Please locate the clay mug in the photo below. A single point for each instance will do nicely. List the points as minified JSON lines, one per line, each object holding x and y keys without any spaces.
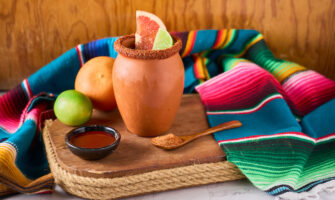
{"x":148,"y":86}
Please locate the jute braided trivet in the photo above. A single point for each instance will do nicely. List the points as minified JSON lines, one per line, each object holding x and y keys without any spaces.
{"x":155,"y":181}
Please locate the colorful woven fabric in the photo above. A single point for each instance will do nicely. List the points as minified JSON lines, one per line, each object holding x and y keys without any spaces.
{"x":277,"y":153}
{"x":284,"y":146}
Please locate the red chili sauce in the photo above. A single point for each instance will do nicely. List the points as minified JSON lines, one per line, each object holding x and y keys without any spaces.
{"x":93,"y":139}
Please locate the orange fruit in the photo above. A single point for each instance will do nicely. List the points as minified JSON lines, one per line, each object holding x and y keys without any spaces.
{"x":147,"y":25}
{"x":94,"y":79}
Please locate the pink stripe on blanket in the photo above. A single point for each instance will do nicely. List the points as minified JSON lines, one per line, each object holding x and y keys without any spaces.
{"x":308,"y":90}
{"x":242,"y":87}
{"x":14,"y":107}
{"x":11,"y":106}
{"x":80,"y":54}
{"x":284,"y":134}
{"x":27,"y":88}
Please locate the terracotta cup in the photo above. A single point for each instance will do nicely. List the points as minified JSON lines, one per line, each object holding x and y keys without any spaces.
{"x":148,"y":86}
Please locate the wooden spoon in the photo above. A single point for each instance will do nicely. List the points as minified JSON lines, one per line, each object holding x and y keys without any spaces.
{"x":171,"y":141}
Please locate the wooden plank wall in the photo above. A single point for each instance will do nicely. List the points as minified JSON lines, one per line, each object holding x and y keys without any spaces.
{"x":32,"y":33}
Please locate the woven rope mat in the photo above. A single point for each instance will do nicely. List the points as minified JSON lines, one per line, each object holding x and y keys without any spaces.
{"x":149,"y":182}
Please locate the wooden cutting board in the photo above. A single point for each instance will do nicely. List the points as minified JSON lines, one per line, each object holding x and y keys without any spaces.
{"x":136,"y":155}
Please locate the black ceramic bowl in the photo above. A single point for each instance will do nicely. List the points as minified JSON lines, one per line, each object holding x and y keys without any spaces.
{"x":92,"y":153}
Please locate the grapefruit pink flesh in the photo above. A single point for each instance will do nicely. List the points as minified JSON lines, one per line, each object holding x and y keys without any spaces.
{"x":147,"y":25}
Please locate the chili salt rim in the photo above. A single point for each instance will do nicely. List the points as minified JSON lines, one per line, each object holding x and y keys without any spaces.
{"x":145,"y":54}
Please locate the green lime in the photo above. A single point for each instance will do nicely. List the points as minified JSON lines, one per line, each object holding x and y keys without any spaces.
{"x":73,"y":108}
{"x":163,"y":40}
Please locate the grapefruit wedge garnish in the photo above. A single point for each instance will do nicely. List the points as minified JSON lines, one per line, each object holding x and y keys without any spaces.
{"x":147,"y":25}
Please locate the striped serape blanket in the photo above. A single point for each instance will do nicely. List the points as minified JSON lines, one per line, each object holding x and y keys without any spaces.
{"x":285,"y":147}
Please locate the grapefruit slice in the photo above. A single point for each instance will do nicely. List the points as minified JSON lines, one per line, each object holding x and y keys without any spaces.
{"x":147,"y":25}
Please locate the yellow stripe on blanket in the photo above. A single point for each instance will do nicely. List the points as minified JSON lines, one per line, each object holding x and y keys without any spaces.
{"x":288,"y":71}
{"x":3,"y":188}
{"x":256,"y":39}
{"x":8,"y":167}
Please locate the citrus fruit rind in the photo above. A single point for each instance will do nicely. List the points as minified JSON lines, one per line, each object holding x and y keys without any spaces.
{"x":147,"y":25}
{"x":73,"y":108}
{"x":94,"y":79}
{"x":163,"y":40}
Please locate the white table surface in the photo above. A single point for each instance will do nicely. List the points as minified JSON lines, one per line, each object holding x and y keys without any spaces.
{"x":231,"y":190}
